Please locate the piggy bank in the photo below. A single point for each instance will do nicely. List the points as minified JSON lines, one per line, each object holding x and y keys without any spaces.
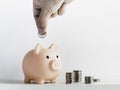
{"x":41,"y":65}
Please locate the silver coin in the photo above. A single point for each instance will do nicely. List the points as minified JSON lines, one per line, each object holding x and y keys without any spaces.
{"x":42,"y":36}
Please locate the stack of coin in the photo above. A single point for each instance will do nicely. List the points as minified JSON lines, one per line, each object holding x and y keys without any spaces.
{"x":96,"y":80}
{"x":89,"y":79}
{"x":68,"y":78}
{"x":77,"y":76}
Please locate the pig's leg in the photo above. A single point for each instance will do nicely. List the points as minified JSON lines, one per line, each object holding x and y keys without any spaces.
{"x":27,"y":80}
{"x":53,"y":81}
{"x":39,"y":81}
{"x":62,"y":9}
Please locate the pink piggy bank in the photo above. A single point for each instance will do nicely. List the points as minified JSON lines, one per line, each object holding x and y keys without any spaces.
{"x":41,"y":65}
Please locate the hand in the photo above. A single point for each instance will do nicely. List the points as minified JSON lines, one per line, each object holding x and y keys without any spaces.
{"x":46,"y":9}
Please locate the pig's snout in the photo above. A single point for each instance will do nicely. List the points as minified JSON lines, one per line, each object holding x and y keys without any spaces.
{"x":55,"y":65}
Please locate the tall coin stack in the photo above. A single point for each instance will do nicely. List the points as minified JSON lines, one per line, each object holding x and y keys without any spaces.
{"x":77,"y":76}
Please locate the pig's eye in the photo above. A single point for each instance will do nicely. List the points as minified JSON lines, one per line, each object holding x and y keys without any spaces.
{"x":57,"y":56}
{"x":47,"y":57}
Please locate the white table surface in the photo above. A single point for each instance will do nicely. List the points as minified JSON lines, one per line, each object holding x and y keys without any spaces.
{"x":19,"y":85}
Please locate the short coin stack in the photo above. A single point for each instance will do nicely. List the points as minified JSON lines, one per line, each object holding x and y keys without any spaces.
{"x":90,"y":80}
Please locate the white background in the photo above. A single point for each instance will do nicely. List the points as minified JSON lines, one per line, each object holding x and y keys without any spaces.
{"x":88,"y":35}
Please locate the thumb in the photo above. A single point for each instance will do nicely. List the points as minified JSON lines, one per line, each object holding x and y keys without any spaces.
{"x":42,"y":21}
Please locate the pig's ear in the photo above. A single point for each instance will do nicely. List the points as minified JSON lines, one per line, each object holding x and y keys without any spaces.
{"x":38,"y":48}
{"x":54,"y":47}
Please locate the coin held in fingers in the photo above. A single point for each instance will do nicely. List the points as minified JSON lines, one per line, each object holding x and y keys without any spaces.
{"x":42,"y":36}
